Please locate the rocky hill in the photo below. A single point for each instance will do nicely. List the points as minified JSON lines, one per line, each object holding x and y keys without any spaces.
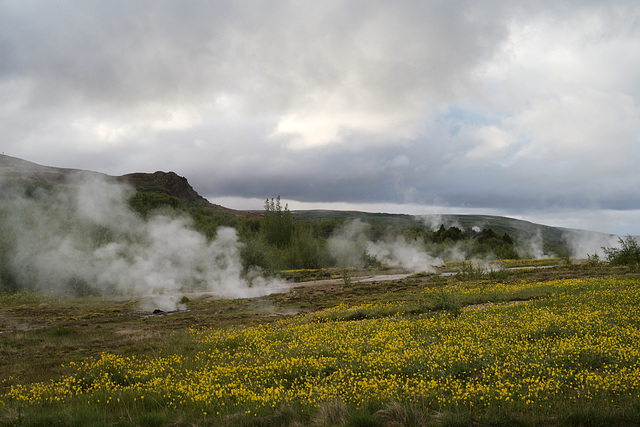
{"x":165,"y":182}
{"x":168,"y":183}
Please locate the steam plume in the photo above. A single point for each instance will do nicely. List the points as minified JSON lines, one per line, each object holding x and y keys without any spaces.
{"x":351,"y":247}
{"x":585,"y":243}
{"x":86,"y":239}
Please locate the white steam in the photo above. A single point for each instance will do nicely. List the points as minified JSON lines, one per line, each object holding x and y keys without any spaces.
{"x":351,"y":247}
{"x":348,"y":243}
{"x":533,"y":247}
{"x":585,"y":243}
{"x":88,"y":238}
{"x":408,"y":254}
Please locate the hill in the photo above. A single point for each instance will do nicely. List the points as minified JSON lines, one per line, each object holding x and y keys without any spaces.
{"x":165,"y":183}
{"x":511,"y":226}
{"x":13,"y":167}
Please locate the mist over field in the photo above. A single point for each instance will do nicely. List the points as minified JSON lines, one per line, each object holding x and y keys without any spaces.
{"x":353,"y":244}
{"x":584,"y":243}
{"x":84,"y":239}
{"x":350,"y":246}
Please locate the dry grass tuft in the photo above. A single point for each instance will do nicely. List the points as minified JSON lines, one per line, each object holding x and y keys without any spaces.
{"x":398,"y":415}
{"x":333,"y":413}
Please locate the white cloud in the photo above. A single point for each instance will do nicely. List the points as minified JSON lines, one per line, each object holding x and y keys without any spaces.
{"x":594,"y":127}
{"x":492,"y":142}
{"x":119,"y":130}
{"x":317,"y":129}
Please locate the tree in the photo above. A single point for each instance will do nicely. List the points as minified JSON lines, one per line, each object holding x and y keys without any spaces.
{"x":305,"y":250}
{"x":255,"y":253}
{"x":277,"y":225}
{"x":489,"y":242}
{"x":627,"y":254}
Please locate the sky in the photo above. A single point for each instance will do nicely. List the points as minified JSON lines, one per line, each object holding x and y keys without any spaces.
{"x":525,"y":109}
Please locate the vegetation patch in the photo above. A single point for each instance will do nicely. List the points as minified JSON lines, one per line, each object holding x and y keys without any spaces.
{"x":571,"y":350}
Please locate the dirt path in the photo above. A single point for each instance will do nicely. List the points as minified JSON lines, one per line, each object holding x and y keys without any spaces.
{"x":388,"y":277}
{"x":288,"y":286}
{"x":358,"y":279}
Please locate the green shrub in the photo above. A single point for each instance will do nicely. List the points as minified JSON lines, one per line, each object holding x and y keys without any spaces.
{"x":593,"y":260}
{"x":627,"y":254}
{"x":256,"y":253}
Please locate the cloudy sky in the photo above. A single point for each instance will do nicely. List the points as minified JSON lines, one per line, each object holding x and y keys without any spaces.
{"x":526,"y":109}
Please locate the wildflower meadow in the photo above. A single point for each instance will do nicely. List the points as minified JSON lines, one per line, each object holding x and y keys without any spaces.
{"x":527,"y":351}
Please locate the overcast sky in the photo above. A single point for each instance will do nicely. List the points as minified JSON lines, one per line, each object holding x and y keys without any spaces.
{"x":528,"y":109}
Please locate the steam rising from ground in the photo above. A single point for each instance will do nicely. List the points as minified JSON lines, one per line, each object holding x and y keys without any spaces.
{"x":585,"y":243}
{"x":533,"y":247}
{"x":351,"y":247}
{"x":88,"y":240}
{"x":409,"y":254}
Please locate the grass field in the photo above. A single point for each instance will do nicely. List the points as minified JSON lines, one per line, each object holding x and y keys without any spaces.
{"x":553,"y":346}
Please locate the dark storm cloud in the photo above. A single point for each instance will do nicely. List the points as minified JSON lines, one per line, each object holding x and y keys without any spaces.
{"x":516,"y":108}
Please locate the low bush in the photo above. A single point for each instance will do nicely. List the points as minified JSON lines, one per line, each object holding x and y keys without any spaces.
{"x":627,"y":254}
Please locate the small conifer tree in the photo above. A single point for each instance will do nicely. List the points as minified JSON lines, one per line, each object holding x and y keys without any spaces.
{"x":277,"y":225}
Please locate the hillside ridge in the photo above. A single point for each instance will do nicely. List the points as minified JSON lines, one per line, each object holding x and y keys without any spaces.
{"x":169,"y":183}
